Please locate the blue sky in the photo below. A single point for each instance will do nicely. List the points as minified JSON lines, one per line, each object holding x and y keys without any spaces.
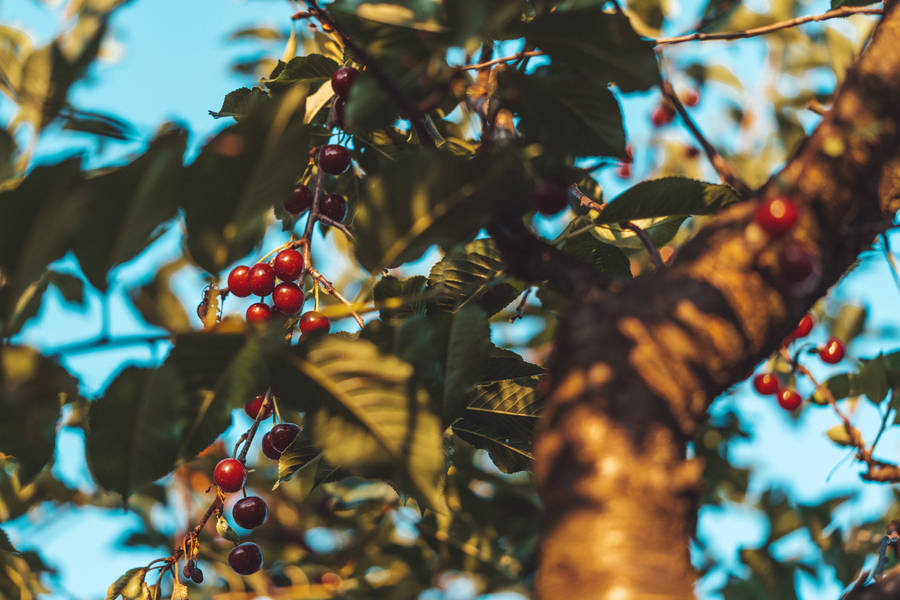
{"x":174,"y":65}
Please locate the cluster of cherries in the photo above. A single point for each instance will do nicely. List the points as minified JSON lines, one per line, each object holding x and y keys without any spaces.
{"x":664,"y":113}
{"x":230,"y":475}
{"x":778,"y":216}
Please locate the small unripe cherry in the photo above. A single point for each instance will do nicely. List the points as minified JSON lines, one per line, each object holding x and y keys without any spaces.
{"x":268,"y":449}
{"x":777,"y":215}
{"x":624,"y":171}
{"x":230,"y":475}
{"x":788,"y":399}
{"x":662,"y":114}
{"x":342,"y":80}
{"x":832,"y":352}
{"x":550,"y":197}
{"x":282,"y":435}
{"x":766,"y":384}
{"x":238,"y":281}
{"x":261,"y":279}
{"x":288,"y":264}
{"x":250,"y":512}
{"x":287,"y":298}
{"x":260,"y":312}
{"x":314,"y":322}
{"x":299,"y":200}
{"x":252,"y":407}
{"x":334,"y":207}
{"x":803,"y":327}
{"x":333,"y":159}
{"x":245,"y":558}
{"x":795,"y":263}
{"x":691,"y":98}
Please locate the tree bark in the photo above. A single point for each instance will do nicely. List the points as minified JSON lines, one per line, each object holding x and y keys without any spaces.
{"x":635,"y":369}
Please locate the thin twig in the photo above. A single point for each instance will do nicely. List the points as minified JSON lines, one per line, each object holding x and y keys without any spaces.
{"x":895,"y":272}
{"x":817,"y":107}
{"x":504,"y":59}
{"x":329,"y":288}
{"x":655,"y":258}
{"x":844,"y":11}
{"x":728,"y":174}
{"x":884,"y":422}
{"x":337,"y":225}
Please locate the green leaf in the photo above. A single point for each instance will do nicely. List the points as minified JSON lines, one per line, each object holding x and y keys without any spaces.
{"x":224,"y":530}
{"x":158,"y":303}
{"x":513,"y":397}
{"x":365,"y":413}
{"x":667,"y":197}
{"x":474,"y":273}
{"x":564,"y":111}
{"x":32,"y":389}
{"x":840,"y":3}
{"x":313,"y":70}
{"x":99,"y":124}
{"x":605,"y":257}
{"x":420,"y":15}
{"x":506,"y":364}
{"x":510,"y":451}
{"x":128,"y":585}
{"x":467,"y":351}
{"x":240,"y":103}
{"x":400,"y":298}
{"x":71,"y":288}
{"x":600,"y":45}
{"x":301,"y":454}
{"x":849,"y":323}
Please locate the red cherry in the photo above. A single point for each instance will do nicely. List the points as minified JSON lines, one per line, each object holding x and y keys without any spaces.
{"x":250,"y":512}
{"x":766,"y":384}
{"x":691,"y":98}
{"x":663,"y":114}
{"x":788,"y":399}
{"x":624,"y":171}
{"x":230,"y":475}
{"x":333,"y":159}
{"x":334,"y":207}
{"x":282,"y":435}
{"x":795,"y":262}
{"x":288,"y":264}
{"x":629,"y":154}
{"x":314,"y":321}
{"x":299,"y":200}
{"x":261,"y":279}
{"x":258,"y":313}
{"x":245,"y":558}
{"x":342,"y":80}
{"x":288,"y":298}
{"x":832,"y":352}
{"x":803,"y":327}
{"x":268,"y":449}
{"x":252,"y":407}
{"x":197,"y":575}
{"x":238,"y":281}
{"x":550,"y":197}
{"x":777,"y":215}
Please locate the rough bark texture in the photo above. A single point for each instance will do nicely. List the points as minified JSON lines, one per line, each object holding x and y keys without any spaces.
{"x":636,"y":368}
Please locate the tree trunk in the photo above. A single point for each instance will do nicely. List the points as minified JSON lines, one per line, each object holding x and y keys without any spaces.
{"x":636,"y":368}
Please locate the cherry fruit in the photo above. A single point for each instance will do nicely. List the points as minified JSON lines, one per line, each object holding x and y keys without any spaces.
{"x":788,"y":399}
{"x":832,"y":352}
{"x":288,"y":264}
{"x":663,"y":114}
{"x":188,"y":569}
{"x":313,"y":322}
{"x":268,"y":449}
{"x":238,"y":281}
{"x":245,"y":558}
{"x":777,"y":215}
{"x":803,"y":327}
{"x":342,"y":80}
{"x":230,"y":475}
{"x":252,"y":407}
{"x":334,"y":207}
{"x":550,"y":197}
{"x":259,"y":312}
{"x":197,"y":575}
{"x":288,"y":298}
{"x":691,"y":98}
{"x":250,"y":512}
{"x":624,"y":171}
{"x":282,"y":435}
{"x":261,"y":279}
{"x":766,"y":384}
{"x":333,"y":159}
{"x":299,"y":200}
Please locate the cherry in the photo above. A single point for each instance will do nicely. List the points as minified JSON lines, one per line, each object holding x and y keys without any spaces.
{"x":250,"y":512}
{"x":691,"y":151}
{"x":245,"y":558}
{"x":803,"y":327}
{"x":788,"y":399}
{"x":288,"y":264}
{"x":334,"y":207}
{"x":261,"y":279}
{"x":777,"y":215}
{"x":252,"y":407}
{"x":282,"y":435}
{"x":663,"y":114}
{"x":259,"y":312}
{"x":691,"y":98}
{"x":795,"y":262}
{"x":624,"y":171}
{"x":333,"y":159}
{"x":268,"y":449}
{"x":342,"y":80}
{"x":238,"y":281}
{"x":197,"y":575}
{"x":188,"y":569}
{"x":288,"y":298}
{"x":230,"y":475}
{"x":766,"y":384}
{"x":550,"y":197}
{"x":299,"y":200}
{"x":832,"y":352}
{"x":313,"y":322}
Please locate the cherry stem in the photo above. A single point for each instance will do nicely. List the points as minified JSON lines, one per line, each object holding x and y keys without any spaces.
{"x":319,"y":279}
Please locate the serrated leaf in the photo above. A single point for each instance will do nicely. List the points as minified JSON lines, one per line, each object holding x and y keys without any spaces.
{"x":667,"y":197}
{"x":400,"y":298}
{"x":475,"y":273}
{"x":312,"y":69}
{"x":128,"y":585}
{"x":467,"y":351}
{"x":158,"y":303}
{"x":513,"y":397}
{"x":301,"y":454}
{"x":511,"y":451}
{"x":240,"y":103}
{"x":224,"y":530}
{"x":506,"y":364}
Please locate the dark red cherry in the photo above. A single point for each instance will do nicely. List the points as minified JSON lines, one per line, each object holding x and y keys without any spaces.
{"x":245,"y":558}
{"x":624,"y":171}
{"x":314,"y":321}
{"x":261,"y":279}
{"x":766,"y":384}
{"x":197,"y":575}
{"x":342,"y":80}
{"x":259,"y":312}
{"x":333,"y":159}
{"x":803,"y":327}
{"x":299,"y":200}
{"x":282,"y":435}
{"x":188,"y":569}
{"x":238,"y":281}
{"x":288,"y":264}
{"x":777,"y":215}
{"x":832,"y":352}
{"x":287,"y":298}
{"x":691,"y":98}
{"x":250,"y":512}
{"x":268,"y":449}
{"x":662,"y":114}
{"x":795,"y":263}
{"x":334,"y":207}
{"x":550,"y":197}
{"x":252,"y":407}
{"x":230,"y":475}
{"x":788,"y":399}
